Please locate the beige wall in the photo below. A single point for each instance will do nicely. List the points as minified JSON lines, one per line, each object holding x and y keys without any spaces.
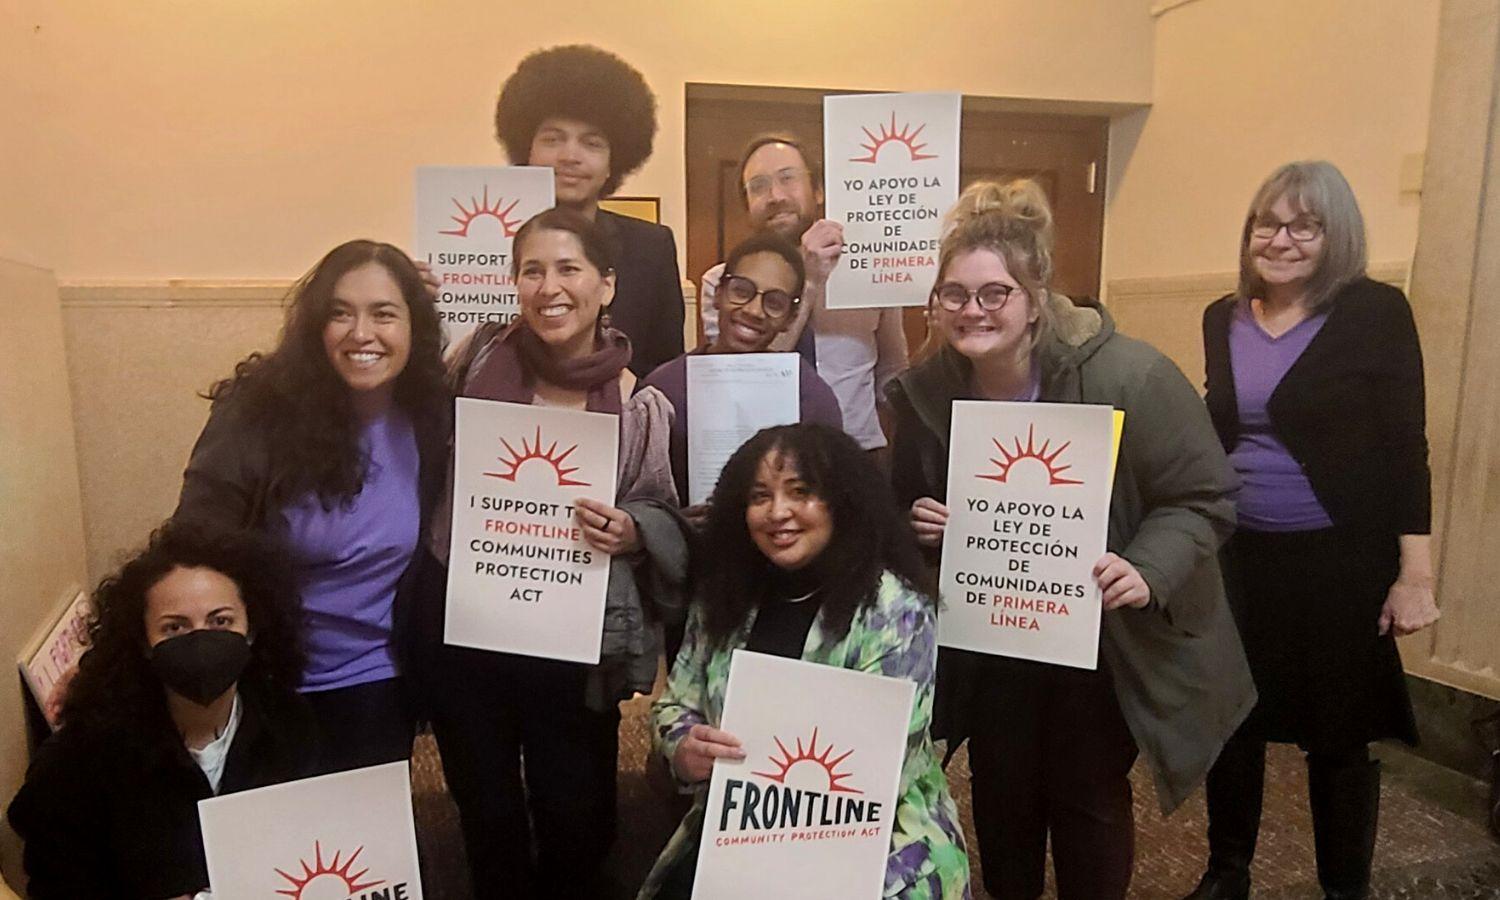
{"x":1240,"y":88}
{"x":41,"y":534}
{"x":227,"y":140}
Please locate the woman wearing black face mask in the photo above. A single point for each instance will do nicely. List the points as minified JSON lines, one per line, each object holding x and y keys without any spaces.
{"x":187,"y":691}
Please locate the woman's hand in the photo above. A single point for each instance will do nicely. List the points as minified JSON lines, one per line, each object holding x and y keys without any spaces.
{"x":430,"y":279}
{"x":696,"y":515}
{"x":1409,"y":606}
{"x":1120,"y":583}
{"x":607,"y":528}
{"x":694,"y":759}
{"x":822,"y":245}
{"x":928,"y":519}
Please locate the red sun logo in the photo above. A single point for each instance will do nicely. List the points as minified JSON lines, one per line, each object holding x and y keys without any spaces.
{"x":533,"y":450}
{"x":889,"y":134}
{"x":480,"y":207}
{"x":810,"y":754}
{"x":329,"y":872}
{"x":1031,"y":451}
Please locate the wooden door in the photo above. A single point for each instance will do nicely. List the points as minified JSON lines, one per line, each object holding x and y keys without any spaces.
{"x":1064,"y":153}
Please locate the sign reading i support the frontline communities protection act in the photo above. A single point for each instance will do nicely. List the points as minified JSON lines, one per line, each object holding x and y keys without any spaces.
{"x":807,"y":814}
{"x":521,"y":577}
{"x":1028,"y":517}
{"x":347,"y":835}
{"x":890,"y":165}
{"x":466,"y":219}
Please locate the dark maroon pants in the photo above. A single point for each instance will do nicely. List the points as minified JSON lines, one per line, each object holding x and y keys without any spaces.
{"x":1051,"y":755}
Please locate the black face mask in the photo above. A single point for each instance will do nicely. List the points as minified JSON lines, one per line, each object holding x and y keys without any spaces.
{"x":201,"y":665}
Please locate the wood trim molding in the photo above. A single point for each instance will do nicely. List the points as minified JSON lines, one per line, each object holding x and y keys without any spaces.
{"x":1196,"y":287}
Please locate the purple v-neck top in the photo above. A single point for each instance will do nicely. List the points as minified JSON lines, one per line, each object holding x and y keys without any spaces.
{"x":350,"y":558}
{"x":1275,"y":494}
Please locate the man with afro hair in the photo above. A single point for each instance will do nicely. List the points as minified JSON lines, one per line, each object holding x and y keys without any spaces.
{"x":590,"y":116}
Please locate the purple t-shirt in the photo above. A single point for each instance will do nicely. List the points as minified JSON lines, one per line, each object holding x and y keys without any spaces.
{"x":816,"y":404}
{"x":350,"y":558}
{"x":1275,"y":494}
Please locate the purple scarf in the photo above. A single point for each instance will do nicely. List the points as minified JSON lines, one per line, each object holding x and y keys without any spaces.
{"x":517,"y":358}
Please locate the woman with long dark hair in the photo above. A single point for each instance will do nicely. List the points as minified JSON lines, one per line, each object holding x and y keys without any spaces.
{"x":187,"y":690}
{"x":333,"y":444}
{"x":807,"y":556}
{"x":1315,"y":388}
{"x":530,"y":745}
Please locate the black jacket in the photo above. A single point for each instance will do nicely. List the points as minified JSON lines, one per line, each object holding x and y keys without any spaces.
{"x":648,"y":303}
{"x":116,"y":815}
{"x":228,"y":484}
{"x":1352,"y":408}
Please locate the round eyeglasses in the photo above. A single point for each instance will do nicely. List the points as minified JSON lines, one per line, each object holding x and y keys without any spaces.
{"x":738,"y":290}
{"x":952,"y":296}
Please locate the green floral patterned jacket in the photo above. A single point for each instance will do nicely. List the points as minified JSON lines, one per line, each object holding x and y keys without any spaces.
{"x":895,"y":636}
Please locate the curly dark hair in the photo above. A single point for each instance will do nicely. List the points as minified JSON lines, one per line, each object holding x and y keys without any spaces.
{"x":115,"y":691}
{"x":305,"y":408}
{"x":766,"y":241}
{"x":870,"y":534}
{"x":585,"y":83}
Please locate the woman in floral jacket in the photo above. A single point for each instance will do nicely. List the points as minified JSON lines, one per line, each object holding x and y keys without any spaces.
{"x":787,"y":572}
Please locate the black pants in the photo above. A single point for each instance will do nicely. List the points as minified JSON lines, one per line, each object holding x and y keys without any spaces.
{"x":1052,"y":755}
{"x":364,"y":725}
{"x":527,"y":762}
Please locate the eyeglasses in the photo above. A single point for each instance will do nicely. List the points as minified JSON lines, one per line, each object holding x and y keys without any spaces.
{"x":1300,"y":229}
{"x":739,"y":290}
{"x":953,"y":296}
{"x":760,"y":185}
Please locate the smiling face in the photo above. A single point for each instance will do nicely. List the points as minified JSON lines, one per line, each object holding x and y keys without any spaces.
{"x":779,"y":192}
{"x":562,"y":292}
{"x":746,"y":328}
{"x":579,"y":156}
{"x":193,"y":599}
{"x":368,"y":333}
{"x":789,"y":523}
{"x":1281,"y":261}
{"x":981,"y":335}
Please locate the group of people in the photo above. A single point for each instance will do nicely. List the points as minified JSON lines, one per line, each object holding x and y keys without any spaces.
{"x":1264,"y":548}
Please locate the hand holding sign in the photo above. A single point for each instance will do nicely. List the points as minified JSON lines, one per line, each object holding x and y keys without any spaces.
{"x":610,"y":529}
{"x":822,"y":245}
{"x":928,"y":519}
{"x":694,"y":760}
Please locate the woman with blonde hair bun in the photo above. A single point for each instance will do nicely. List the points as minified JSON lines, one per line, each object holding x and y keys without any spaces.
{"x":1051,"y":747}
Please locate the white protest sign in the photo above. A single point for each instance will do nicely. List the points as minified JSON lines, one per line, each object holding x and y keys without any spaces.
{"x":346,"y":836}
{"x":466,"y":217}
{"x":1028,"y":517}
{"x":808,"y":812}
{"x":731,"y":396}
{"x":521,"y":577}
{"x":52,"y":659}
{"x":890,"y":173}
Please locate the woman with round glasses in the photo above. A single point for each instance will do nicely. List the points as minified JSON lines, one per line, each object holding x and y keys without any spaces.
{"x":1315,"y":388}
{"x":1051,"y":747}
{"x":758,"y":297}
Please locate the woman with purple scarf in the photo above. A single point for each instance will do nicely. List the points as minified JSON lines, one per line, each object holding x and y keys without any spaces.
{"x":529,"y":745}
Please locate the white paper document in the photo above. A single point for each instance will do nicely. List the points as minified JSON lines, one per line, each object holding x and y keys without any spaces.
{"x":521,"y":577}
{"x":891,"y":173}
{"x":346,"y":835}
{"x":731,"y":396}
{"x":1028,"y":518}
{"x":808,"y":813}
{"x":466,"y":219}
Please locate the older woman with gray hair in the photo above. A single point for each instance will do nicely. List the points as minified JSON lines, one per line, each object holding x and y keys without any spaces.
{"x":1315,"y":388}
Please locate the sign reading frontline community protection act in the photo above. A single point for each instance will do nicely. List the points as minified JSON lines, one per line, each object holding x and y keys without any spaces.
{"x":1028,"y":505}
{"x":891,"y":171}
{"x":807,"y":814}
{"x":521,"y":577}
{"x":467,"y":217}
{"x":347,"y":835}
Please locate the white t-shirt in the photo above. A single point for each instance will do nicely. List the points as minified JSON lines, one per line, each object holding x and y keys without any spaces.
{"x":212,"y":756}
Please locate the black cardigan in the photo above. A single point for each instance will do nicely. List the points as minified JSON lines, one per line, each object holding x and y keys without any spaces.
{"x":648,"y":303}
{"x":1352,"y":408}
{"x":115,"y":816}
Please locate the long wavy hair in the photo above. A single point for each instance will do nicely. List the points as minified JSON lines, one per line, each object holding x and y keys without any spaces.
{"x":870,"y":534}
{"x":302,"y":404}
{"x":116,"y":693}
